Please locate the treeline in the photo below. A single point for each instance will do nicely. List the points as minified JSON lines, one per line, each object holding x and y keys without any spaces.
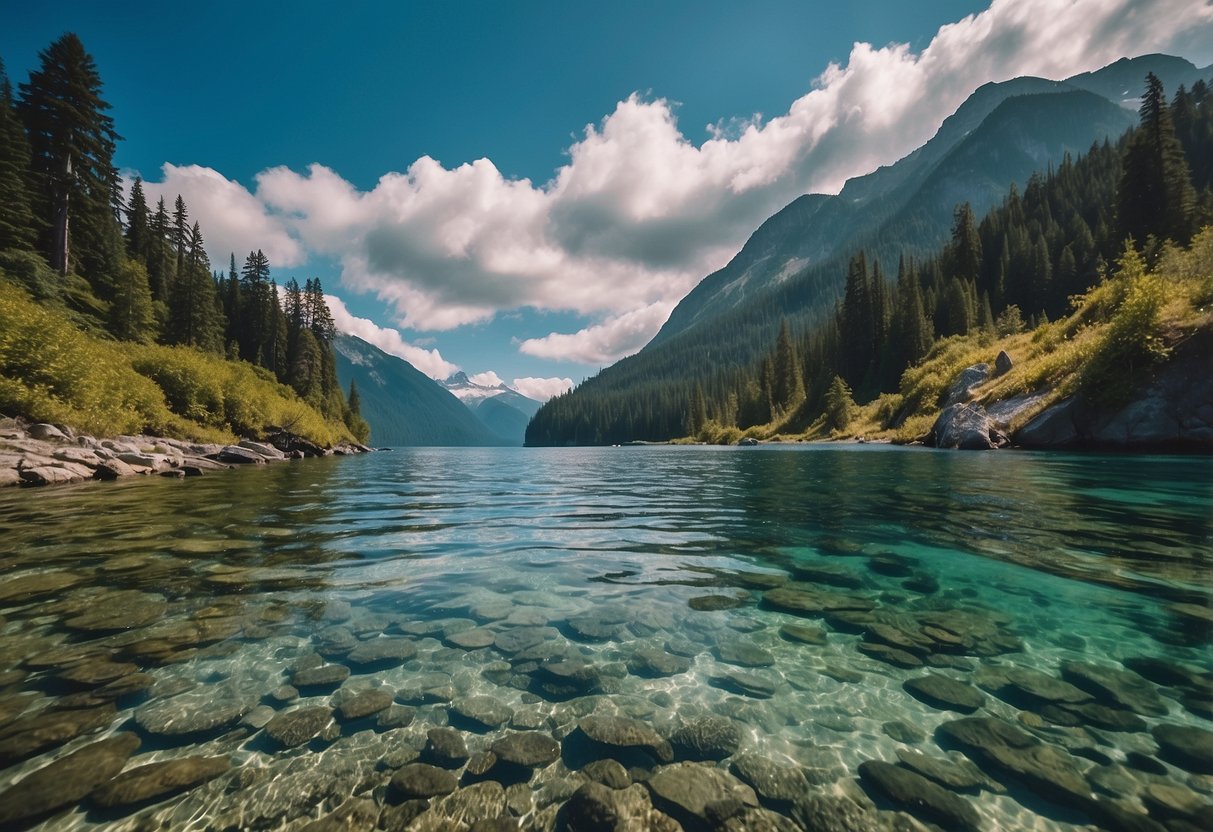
{"x":1017,"y":267}
{"x":72,"y":238}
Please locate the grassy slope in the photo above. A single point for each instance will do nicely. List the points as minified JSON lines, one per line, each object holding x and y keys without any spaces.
{"x":52,"y":371}
{"x":1118,"y":332}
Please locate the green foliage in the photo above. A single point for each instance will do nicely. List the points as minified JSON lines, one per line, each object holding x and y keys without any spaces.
{"x":1009,"y":322}
{"x":16,"y":214}
{"x":1133,"y":340}
{"x":840,"y":406}
{"x":32,"y":273}
{"x":52,"y":371}
{"x":1156,"y":194}
{"x":132,"y":315}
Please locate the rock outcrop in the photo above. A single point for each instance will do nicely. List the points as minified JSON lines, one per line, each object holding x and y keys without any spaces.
{"x":45,"y":454}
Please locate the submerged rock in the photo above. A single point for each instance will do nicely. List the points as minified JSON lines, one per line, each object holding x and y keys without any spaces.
{"x":191,"y":713}
{"x":1187,"y":746}
{"x":944,"y":693}
{"x":65,"y":781}
{"x":687,"y":791}
{"x":707,"y":738}
{"x":156,"y":781}
{"x":652,"y":663}
{"x":362,"y":703}
{"x":529,"y":749}
{"x":445,"y":747}
{"x":419,"y":780}
{"x":483,"y":712}
{"x":744,"y":654}
{"x":610,"y":736}
{"x":919,"y":795}
{"x":774,"y":783}
{"x":747,"y":684}
{"x":294,"y":728}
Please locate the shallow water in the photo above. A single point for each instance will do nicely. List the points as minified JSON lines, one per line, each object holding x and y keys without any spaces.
{"x":218,"y":588}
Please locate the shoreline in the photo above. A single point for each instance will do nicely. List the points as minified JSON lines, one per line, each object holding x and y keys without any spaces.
{"x":39,"y":454}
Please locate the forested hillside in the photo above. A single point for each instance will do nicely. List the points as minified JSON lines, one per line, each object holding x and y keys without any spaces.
{"x":115,"y":276}
{"x":1017,"y":266}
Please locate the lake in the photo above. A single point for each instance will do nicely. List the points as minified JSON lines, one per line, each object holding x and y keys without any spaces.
{"x":721,"y":636}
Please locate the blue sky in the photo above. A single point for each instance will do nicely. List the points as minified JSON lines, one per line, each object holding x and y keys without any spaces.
{"x":620,"y":155}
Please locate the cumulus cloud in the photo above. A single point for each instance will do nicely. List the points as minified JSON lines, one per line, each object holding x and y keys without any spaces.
{"x":429,"y":362}
{"x":233,"y":221}
{"x":640,"y":212}
{"x":542,"y":389}
{"x":600,"y":344}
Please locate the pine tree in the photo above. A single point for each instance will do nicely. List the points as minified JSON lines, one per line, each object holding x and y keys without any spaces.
{"x":159,"y":268}
{"x":132,"y":316}
{"x":16,"y":214}
{"x":138,"y":230}
{"x":71,"y":160}
{"x":181,"y":230}
{"x":254,"y":331}
{"x":192,"y":304}
{"x":1156,"y":195}
{"x":965,"y":253}
{"x":787,"y":383}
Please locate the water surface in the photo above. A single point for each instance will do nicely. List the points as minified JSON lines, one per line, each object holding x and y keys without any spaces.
{"x":178,"y":611}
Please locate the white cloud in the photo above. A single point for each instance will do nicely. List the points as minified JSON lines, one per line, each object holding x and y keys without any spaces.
{"x":232,"y":220}
{"x":429,"y":362}
{"x":640,"y":212}
{"x":604,"y":343}
{"x":542,"y":389}
{"x":486,"y":379}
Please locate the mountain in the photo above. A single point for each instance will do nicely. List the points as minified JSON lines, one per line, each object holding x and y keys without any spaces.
{"x":501,"y":409}
{"x":402,"y":405}
{"x":794,"y":265}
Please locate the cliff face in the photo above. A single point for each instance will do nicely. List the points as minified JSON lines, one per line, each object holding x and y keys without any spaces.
{"x":1173,"y":412}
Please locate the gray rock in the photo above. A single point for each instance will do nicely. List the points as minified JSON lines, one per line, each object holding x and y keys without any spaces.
{"x":363,"y":703}
{"x":966,"y":427}
{"x":804,"y":600}
{"x":1188,"y":746}
{"x":46,"y":432}
{"x":903,"y":731}
{"x":419,"y":781}
{"x":122,"y":609}
{"x":236,"y":455}
{"x":381,"y":653}
{"x":1003,"y":363}
{"x":652,"y":663}
{"x":747,"y":684}
{"x":1115,"y":686}
{"x":445,"y":747}
{"x":706,"y":738}
{"x":920,"y":796}
{"x":326,"y":676}
{"x":483,"y":712}
{"x":191,"y":713}
{"x":474,"y":639}
{"x":529,"y":749}
{"x":293,"y":728}
{"x":803,"y":634}
{"x":1041,"y":686}
{"x":833,"y":813}
{"x":1049,"y":770}
{"x":962,"y":388}
{"x":774,"y":783}
{"x":709,"y":603}
{"x":620,"y":734}
{"x":609,"y":773}
{"x":944,"y":693}
{"x":744,"y":654}
{"x":958,"y":775}
{"x":65,"y":781}
{"x":156,"y":781}
{"x":29,"y":735}
{"x":685,"y":791}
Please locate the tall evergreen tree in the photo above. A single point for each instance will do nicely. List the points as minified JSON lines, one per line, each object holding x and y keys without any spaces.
{"x":72,"y":148}
{"x":159,"y":267}
{"x":787,"y":383}
{"x":181,"y":231}
{"x":138,"y":230}
{"x":16,"y":214}
{"x":192,"y":304}
{"x":132,"y":316}
{"x":1156,"y":195}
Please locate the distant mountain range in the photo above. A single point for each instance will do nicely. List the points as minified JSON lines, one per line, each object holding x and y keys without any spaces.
{"x":793,"y":267}
{"x":403,"y":405}
{"x":503,"y":410}
{"x":406,"y":407}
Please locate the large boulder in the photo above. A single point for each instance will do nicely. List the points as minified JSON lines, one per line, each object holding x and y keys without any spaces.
{"x":967,"y":427}
{"x":962,"y":388}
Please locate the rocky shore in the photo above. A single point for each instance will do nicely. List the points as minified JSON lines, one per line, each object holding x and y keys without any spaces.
{"x":45,"y":454}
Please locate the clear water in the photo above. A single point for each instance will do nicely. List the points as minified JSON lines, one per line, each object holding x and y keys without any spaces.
{"x":1076,"y":557}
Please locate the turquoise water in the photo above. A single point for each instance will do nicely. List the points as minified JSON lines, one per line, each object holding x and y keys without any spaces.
{"x":205,"y":595}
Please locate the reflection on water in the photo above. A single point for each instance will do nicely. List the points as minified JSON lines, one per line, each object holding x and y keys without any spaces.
{"x":259,"y":649}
